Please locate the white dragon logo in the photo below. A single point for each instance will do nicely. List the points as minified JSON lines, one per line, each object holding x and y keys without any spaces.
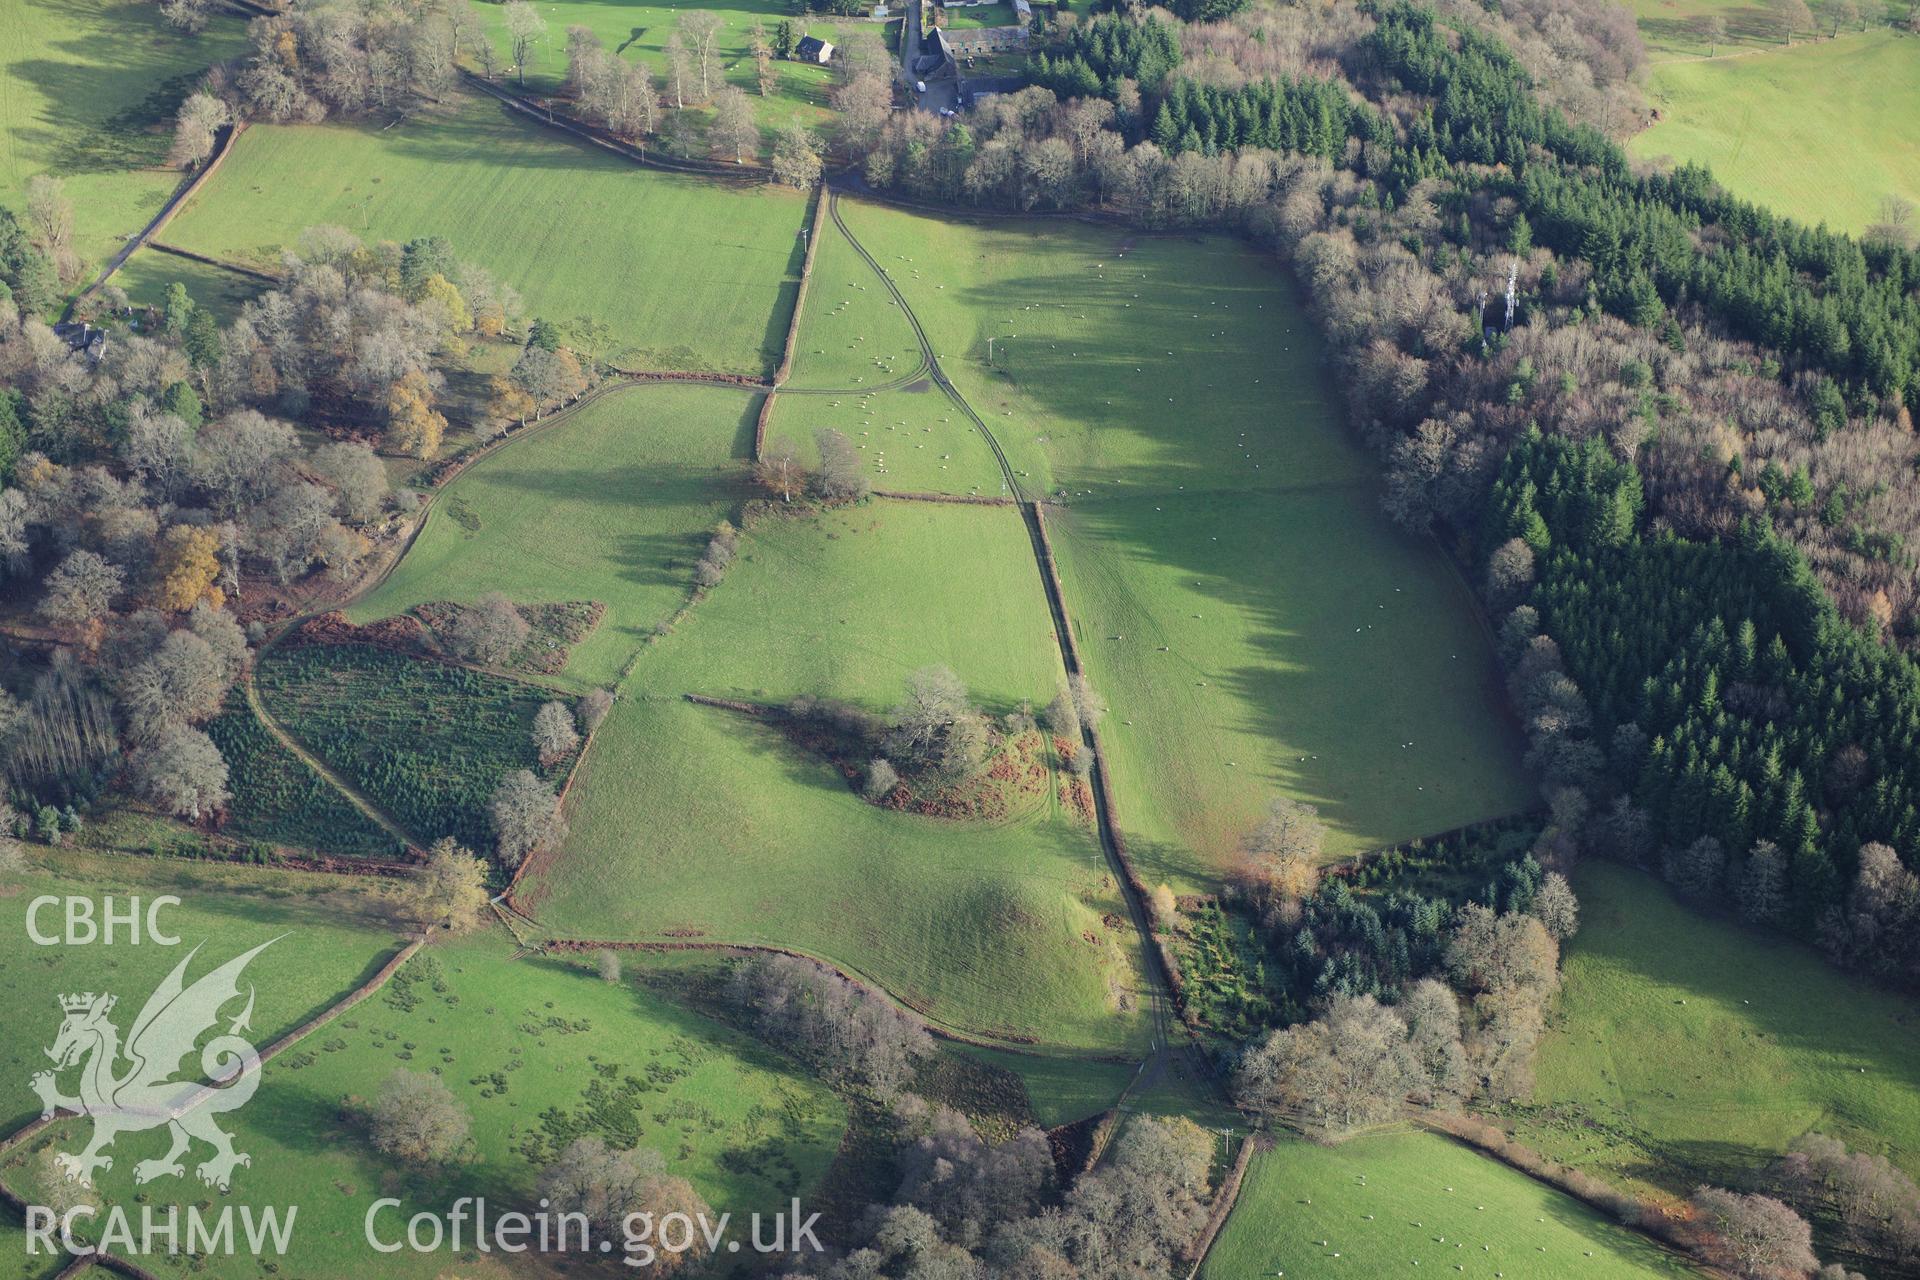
{"x":145,"y":1095}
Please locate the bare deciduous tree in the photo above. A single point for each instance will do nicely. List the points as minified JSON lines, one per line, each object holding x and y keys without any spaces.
{"x":733,"y":129}
{"x":1758,"y":1236}
{"x":199,"y":121}
{"x":779,"y":470}
{"x":526,"y":817}
{"x":554,"y":736}
{"x":182,"y":772}
{"x":416,"y":1119}
{"x":491,"y":630}
{"x":525,"y":29}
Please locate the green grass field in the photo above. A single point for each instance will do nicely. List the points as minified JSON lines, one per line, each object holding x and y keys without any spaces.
{"x":1384,"y":1205}
{"x":147,"y":273}
{"x":538,"y":1051}
{"x":335,"y":938}
{"x":1247,"y":540}
{"x":1688,"y":1049}
{"x":614,"y":504}
{"x":15,"y":1262}
{"x":852,"y":333}
{"x":640,"y":31}
{"x":913,"y":440}
{"x":976,"y":17}
{"x":693,"y":821}
{"x":576,"y":230}
{"x":850,"y":603}
{"x":88,"y":89}
{"x":1820,"y":132}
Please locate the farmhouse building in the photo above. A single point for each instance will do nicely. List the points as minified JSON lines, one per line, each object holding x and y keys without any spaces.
{"x":812,"y":49}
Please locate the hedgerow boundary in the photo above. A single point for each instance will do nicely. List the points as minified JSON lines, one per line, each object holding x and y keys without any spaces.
{"x":1636,"y":1213}
{"x":816,"y":214}
{"x":222,"y":148}
{"x":1224,"y":1201}
{"x":34,"y":1128}
{"x":738,"y":174}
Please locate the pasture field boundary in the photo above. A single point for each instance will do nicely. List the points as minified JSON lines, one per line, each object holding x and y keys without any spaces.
{"x":207,"y":259}
{"x":816,"y":216}
{"x":1224,"y":1201}
{"x":1020,"y":1046}
{"x":222,"y":148}
{"x":229,"y":850}
{"x":760,"y":422}
{"x":1635,"y":1213}
{"x":740,"y":174}
{"x":951,"y":499}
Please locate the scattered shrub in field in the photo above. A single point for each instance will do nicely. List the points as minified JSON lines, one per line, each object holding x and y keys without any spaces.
{"x":417,"y":1119}
{"x":593,"y":709}
{"x":609,"y":963}
{"x":449,"y":890}
{"x":491,"y":631}
{"x":526,"y":817}
{"x":1166,"y":908}
{"x":882,"y":778}
{"x":554,"y":736}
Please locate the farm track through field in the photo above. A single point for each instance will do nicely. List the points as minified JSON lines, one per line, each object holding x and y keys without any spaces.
{"x":367,"y":585}
{"x":222,"y":147}
{"x":352,"y":794}
{"x":1154,"y":1067}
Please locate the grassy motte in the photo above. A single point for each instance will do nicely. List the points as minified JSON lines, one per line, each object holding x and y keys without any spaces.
{"x":699,"y":822}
